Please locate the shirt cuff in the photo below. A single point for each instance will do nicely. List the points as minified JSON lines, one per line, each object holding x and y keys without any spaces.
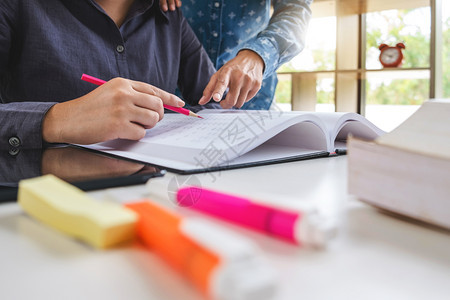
{"x":23,"y":124}
{"x":267,"y":50}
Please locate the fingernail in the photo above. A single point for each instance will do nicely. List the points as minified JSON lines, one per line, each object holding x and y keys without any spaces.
{"x":164,"y":7}
{"x":217,"y":96}
{"x":172,"y":7}
{"x":181,"y":103}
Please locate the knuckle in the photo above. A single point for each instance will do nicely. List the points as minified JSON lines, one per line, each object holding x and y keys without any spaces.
{"x":154,"y":91}
{"x":147,"y":115}
{"x":140,"y":133}
{"x":257,"y":81}
{"x":123,"y":93}
{"x":134,"y":132}
{"x":241,"y":100}
{"x":119,"y":82}
{"x":226,"y":68}
{"x":220,"y":88}
{"x":156,"y":114}
{"x":247,"y":78}
{"x":159,"y":104}
{"x":161,"y":117}
{"x":120,"y":93}
{"x":116,"y":80}
{"x":237,"y":77}
{"x":222,"y":77}
{"x":154,"y":118}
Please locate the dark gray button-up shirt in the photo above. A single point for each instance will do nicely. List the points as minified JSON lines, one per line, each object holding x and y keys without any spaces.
{"x":46,"y":45}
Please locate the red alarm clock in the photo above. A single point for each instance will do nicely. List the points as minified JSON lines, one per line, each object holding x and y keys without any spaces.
{"x":391,"y":57}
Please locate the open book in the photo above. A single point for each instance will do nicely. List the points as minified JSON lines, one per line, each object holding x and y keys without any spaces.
{"x":226,"y":139}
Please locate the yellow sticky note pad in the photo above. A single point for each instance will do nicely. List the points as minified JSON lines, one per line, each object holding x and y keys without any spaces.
{"x":70,"y":210}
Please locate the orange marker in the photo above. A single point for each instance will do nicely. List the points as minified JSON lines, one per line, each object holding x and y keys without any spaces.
{"x":220,"y":263}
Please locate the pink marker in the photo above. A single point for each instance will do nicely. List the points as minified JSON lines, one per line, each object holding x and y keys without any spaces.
{"x":180,"y":110}
{"x":304,"y":227}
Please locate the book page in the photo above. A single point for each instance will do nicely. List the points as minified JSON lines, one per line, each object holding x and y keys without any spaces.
{"x":178,"y":140}
{"x":340,"y":124}
{"x":427,"y":131}
{"x":225,"y":130}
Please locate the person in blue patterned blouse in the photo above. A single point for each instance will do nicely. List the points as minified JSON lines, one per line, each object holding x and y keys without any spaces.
{"x":246,"y":44}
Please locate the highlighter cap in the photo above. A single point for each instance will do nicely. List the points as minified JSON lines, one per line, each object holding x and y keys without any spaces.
{"x":246,"y":279}
{"x":314,"y":229}
{"x":242,"y":272}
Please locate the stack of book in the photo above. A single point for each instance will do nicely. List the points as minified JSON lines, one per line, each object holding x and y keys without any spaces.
{"x":407,"y":171}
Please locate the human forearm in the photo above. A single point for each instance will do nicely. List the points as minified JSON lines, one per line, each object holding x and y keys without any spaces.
{"x":284,"y":37}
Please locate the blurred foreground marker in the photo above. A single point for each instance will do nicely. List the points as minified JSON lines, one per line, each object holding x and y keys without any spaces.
{"x":222,"y":264}
{"x":301,"y":227}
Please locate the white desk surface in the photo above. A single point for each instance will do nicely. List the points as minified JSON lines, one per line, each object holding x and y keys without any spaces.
{"x":374,"y":256}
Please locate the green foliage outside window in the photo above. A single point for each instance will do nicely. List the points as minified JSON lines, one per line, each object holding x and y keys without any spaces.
{"x":283,"y":91}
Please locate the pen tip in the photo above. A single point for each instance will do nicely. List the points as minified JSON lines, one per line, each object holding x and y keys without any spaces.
{"x":194,"y":115}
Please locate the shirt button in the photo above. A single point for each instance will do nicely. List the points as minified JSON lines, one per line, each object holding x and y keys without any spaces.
{"x":216,"y":4}
{"x":14,"y":151}
{"x":215,"y":34}
{"x":120,"y":48}
{"x":14,"y":141}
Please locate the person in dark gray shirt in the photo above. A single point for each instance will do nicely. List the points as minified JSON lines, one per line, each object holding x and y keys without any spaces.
{"x":46,"y":45}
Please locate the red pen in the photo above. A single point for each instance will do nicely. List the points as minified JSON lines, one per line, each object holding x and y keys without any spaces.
{"x":180,"y":110}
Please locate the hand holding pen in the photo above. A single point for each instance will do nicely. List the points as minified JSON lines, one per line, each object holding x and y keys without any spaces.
{"x":180,"y":110}
{"x":120,"y":108}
